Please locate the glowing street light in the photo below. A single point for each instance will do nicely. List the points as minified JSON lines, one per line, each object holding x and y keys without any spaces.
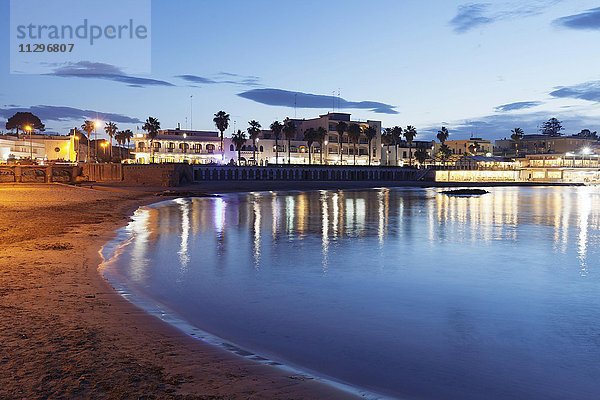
{"x":28,"y":129}
{"x":97,"y":123}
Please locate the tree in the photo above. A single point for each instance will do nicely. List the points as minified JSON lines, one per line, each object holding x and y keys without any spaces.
{"x":238,"y":139}
{"x":387,"y":140}
{"x":152,"y":126}
{"x":22,"y":119}
{"x":320,"y":136}
{"x":289,"y":130}
{"x":221,"y":121}
{"x":409,"y":134}
{"x":370,"y":132}
{"x":253,"y":132}
{"x":111,"y":130}
{"x":445,"y":152}
{"x":552,"y":127}
{"x":396,"y":137}
{"x":354,"y":132}
{"x":340,"y":128}
{"x":443,"y":134}
{"x":421,"y":155}
{"x":120,"y":139}
{"x":588,"y":134}
{"x":516,"y":136}
{"x":88,"y":127}
{"x":276,"y":127}
{"x":310,"y":136}
{"x":473,"y":148}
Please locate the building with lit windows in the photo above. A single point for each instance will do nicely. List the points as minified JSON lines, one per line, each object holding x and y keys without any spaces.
{"x":203,"y":147}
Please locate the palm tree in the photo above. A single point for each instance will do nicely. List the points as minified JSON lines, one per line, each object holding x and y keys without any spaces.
{"x":396,"y":138}
{"x":443,"y":134}
{"x":421,"y":155}
{"x":354,"y":136}
{"x":370,"y":132}
{"x":221,"y":121}
{"x":120,"y":139}
{"x":320,"y":136}
{"x":409,"y":134}
{"x":128,"y":134}
{"x":387,"y":139}
{"x":341,"y":129}
{"x":276,"y":127}
{"x":88,"y":127}
{"x":111,"y":129}
{"x":253,"y":132}
{"x":445,"y":152}
{"x":310,"y":136}
{"x":517,"y":135}
{"x":289,"y":130}
{"x":152,"y":126}
{"x":238,"y":140}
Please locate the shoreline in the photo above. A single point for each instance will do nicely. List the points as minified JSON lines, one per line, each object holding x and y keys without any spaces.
{"x":68,"y":333}
{"x":89,"y":340}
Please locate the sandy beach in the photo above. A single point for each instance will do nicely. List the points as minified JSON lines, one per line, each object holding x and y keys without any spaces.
{"x":66,"y":334}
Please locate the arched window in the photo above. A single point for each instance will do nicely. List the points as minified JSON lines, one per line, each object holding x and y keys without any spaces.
{"x":261,"y":149}
{"x":230,"y":147}
{"x":157,"y":145}
{"x":210,"y":148}
{"x":141,"y":145}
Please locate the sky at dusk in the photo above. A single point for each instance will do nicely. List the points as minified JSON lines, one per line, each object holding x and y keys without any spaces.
{"x":478,"y":68}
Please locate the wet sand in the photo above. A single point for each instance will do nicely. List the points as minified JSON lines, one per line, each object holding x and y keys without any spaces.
{"x":65,"y":333}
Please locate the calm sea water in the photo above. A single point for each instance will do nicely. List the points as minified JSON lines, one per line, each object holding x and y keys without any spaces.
{"x":404,"y":292}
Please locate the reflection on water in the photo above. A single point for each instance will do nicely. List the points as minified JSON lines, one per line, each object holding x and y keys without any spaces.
{"x":406,"y":292}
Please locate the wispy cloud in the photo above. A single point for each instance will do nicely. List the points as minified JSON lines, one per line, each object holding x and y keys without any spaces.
{"x":470,"y":16}
{"x":473,"y":15}
{"x":583,"y":91}
{"x":589,"y":19}
{"x":499,"y":125}
{"x":63,"y":113}
{"x":519,"y":105}
{"x":94,"y":70}
{"x":223,"y":78}
{"x":285,"y":98}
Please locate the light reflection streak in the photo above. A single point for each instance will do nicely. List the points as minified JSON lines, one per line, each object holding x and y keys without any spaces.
{"x":324,"y":231}
{"x":256,"y":232}
{"x":184,"y":257}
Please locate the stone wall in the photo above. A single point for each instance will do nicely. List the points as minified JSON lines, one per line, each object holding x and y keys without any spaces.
{"x":157,"y":174}
{"x":38,"y":173}
{"x":300,"y":173}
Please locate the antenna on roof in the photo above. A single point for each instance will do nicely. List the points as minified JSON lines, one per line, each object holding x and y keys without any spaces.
{"x":191,"y":113}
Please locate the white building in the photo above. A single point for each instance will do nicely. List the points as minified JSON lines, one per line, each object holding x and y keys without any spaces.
{"x":38,"y":147}
{"x":203,"y":147}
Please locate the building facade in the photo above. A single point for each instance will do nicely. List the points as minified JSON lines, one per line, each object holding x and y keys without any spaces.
{"x":41,"y":148}
{"x":204,"y":147}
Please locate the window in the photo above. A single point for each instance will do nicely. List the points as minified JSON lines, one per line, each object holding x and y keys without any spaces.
{"x":261,"y":149}
{"x":210,"y":148}
{"x":141,"y":145}
{"x":230,"y":147}
{"x":157,"y":145}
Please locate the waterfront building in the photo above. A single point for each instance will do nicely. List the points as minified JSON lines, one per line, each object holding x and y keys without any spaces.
{"x":40,"y":147}
{"x":203,"y":147}
{"x":472,"y":146}
{"x":544,"y":144}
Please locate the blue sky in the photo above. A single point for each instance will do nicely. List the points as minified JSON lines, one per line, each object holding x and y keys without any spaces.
{"x":478,"y":68}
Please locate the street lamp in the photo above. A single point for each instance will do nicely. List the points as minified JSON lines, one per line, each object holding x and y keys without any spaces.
{"x":96,"y":125}
{"x":76,"y":144}
{"x":585,"y":151}
{"x":28,"y":129}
